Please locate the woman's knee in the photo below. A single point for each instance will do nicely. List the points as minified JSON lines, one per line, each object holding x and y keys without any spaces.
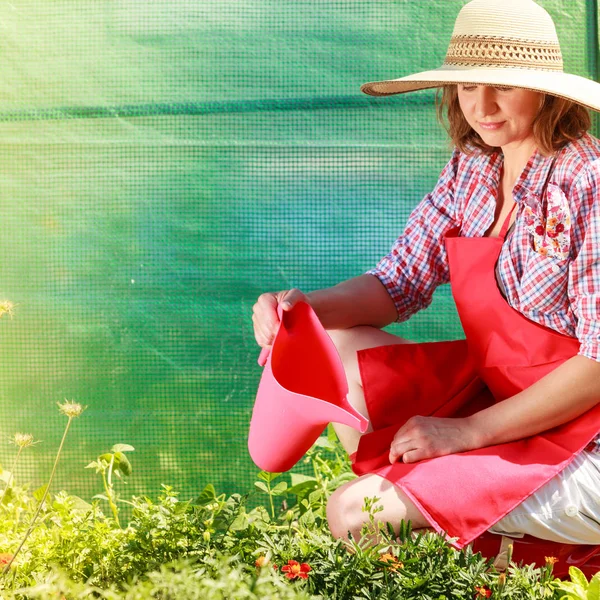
{"x":344,"y":513}
{"x":345,"y":342}
{"x":346,"y":507}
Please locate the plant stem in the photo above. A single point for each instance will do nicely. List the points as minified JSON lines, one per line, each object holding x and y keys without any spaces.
{"x":10,"y":478}
{"x":271,"y":500}
{"x":109,"y":493}
{"x":39,"y":508}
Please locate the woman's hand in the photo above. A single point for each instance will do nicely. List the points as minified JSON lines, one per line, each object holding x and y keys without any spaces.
{"x":427,"y":437}
{"x":264,"y":315}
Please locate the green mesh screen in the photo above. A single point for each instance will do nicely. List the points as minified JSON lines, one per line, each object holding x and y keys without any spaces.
{"x":162,"y":163}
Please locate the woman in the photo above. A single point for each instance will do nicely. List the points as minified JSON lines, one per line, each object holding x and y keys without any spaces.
{"x":494,"y":432}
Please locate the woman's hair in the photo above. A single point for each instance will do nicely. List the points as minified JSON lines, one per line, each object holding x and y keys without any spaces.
{"x":558,"y":122}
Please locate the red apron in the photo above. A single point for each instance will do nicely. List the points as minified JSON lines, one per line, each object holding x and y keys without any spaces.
{"x":465,"y":494}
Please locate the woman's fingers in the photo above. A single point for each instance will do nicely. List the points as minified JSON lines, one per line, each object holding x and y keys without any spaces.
{"x":264,"y":315}
{"x":291,"y":297}
{"x":402,"y":450}
{"x":429,"y":437}
{"x":265,"y":319}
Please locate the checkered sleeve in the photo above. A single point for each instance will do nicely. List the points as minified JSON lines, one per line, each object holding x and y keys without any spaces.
{"x":417,"y":262}
{"x":584,"y":273}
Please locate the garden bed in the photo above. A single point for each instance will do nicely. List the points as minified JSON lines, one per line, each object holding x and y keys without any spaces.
{"x":271,"y":543}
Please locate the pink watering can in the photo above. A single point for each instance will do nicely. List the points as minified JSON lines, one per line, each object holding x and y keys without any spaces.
{"x":302,"y":389}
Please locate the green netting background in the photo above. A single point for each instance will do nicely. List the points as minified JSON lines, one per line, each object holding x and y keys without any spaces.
{"x":162,"y":162}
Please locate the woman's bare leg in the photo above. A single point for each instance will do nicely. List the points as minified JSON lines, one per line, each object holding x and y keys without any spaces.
{"x":348,"y":342}
{"x":344,"y":508}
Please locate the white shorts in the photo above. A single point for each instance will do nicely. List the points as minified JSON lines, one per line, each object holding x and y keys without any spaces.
{"x":566,"y":509}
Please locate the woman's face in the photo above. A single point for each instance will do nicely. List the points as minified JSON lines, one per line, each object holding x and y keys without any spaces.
{"x":502,"y":116}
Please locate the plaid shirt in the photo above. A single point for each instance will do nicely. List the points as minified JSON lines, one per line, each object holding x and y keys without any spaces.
{"x":549,"y":266}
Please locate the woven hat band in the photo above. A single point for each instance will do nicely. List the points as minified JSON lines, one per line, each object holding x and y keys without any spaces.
{"x":480,"y":51}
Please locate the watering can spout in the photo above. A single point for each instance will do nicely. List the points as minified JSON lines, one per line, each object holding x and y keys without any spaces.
{"x":303,"y":388}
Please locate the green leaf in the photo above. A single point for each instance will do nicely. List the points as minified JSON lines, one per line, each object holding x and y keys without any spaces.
{"x":307,"y":519}
{"x":207,"y":495}
{"x":268,"y":477}
{"x":261,"y":486}
{"x":298,"y":478}
{"x":578,"y":578}
{"x":80,"y":503}
{"x":122,"y":448}
{"x":593,"y":591}
{"x":279,"y":489}
{"x":331,"y":434}
{"x":323,"y":442}
{"x":8,"y":495}
{"x":100,"y":497}
{"x":302,"y":489}
{"x":315,"y":496}
{"x":122,"y":463}
{"x":240,"y":523}
{"x":39,"y":493}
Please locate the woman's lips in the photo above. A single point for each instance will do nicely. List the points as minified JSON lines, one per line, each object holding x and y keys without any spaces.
{"x":491,"y":126}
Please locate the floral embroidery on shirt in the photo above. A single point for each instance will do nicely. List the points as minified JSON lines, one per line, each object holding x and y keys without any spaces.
{"x":550,"y":232}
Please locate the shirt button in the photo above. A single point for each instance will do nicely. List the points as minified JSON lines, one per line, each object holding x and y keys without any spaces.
{"x":571,"y":511}
{"x":555,"y":269}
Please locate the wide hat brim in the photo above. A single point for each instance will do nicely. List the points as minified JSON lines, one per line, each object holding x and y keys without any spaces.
{"x":564,"y":85}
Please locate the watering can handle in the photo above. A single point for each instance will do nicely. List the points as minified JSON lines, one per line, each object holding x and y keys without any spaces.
{"x":264,"y":353}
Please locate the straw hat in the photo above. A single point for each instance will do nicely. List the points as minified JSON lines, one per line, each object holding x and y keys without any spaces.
{"x":501,"y":42}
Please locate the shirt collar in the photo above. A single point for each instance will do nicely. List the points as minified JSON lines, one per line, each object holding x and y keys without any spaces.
{"x":529,"y":184}
{"x":489,"y":170}
{"x":533,"y":178}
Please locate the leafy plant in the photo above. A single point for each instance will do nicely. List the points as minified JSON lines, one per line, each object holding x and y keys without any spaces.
{"x":579,"y":588}
{"x":216,"y":547}
{"x":108,"y":464}
{"x":71,"y":410}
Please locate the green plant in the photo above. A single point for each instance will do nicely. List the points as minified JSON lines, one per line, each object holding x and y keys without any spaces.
{"x":264,"y":485}
{"x":108,"y":464}
{"x":579,"y":588}
{"x":215,"y":547}
{"x":71,"y":410}
{"x":21,"y":441}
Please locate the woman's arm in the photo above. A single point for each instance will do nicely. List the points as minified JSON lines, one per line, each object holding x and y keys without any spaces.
{"x":362,"y":300}
{"x":561,"y":395}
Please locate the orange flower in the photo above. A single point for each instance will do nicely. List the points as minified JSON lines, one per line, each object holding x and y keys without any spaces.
{"x":483,"y":591}
{"x":393,"y":563}
{"x":261,"y":561}
{"x":5,"y":558}
{"x":294,"y":569}
{"x":550,"y":560}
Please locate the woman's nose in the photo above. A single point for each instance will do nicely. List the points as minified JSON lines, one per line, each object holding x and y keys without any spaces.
{"x":485,"y":101}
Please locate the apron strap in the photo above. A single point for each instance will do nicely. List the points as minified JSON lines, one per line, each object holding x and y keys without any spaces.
{"x":504,"y":555}
{"x":506,"y":223}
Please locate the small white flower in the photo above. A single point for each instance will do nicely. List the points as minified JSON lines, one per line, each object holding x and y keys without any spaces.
{"x":70,"y":409}
{"x":22,"y":440}
{"x":7,"y":308}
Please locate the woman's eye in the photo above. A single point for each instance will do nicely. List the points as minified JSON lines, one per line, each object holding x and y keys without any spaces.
{"x":467,"y":88}
{"x":502,"y":88}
